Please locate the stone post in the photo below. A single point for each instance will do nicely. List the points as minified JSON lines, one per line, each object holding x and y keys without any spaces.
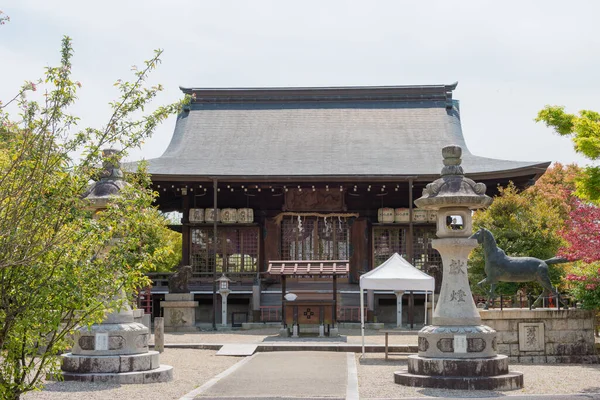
{"x":399,"y":295}
{"x":159,"y":334}
{"x":224,"y":293}
{"x":455,"y":302}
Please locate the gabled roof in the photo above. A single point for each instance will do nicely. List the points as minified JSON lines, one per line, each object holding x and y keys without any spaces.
{"x":322,"y":132}
{"x":396,"y":274}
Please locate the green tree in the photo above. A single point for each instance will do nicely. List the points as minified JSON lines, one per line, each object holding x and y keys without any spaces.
{"x":584,"y":130}
{"x":57,"y":269}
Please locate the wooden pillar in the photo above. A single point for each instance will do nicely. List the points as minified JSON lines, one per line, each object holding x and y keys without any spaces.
{"x":271,"y":242}
{"x":409,"y":240}
{"x":360,"y":256}
{"x":370,"y":305}
{"x":283,"y":300}
{"x":411,"y":309}
{"x":216,"y":217}
{"x":185,"y":231}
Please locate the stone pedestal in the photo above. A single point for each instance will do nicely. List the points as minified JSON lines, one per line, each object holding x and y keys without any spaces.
{"x":179,"y":311}
{"x":399,"y":295}
{"x":544,"y":335}
{"x":457,"y":351}
{"x":457,"y":373}
{"x":224,"y":293}
{"x":115,"y":351}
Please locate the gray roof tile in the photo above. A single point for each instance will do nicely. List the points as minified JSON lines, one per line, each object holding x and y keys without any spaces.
{"x":312,"y":132}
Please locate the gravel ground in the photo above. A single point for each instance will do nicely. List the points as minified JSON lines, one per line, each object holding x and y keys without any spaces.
{"x":375,"y":379}
{"x":192,"y":368}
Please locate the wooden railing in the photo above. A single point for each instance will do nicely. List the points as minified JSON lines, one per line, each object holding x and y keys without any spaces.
{"x":349,"y":314}
{"x":270,"y":313}
{"x":162,"y":278}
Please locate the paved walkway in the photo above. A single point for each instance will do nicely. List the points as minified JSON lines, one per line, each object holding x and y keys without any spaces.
{"x":287,"y":374}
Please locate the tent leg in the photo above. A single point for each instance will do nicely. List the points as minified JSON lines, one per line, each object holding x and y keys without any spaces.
{"x":362,"y":320}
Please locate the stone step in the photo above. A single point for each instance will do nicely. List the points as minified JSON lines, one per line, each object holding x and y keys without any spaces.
{"x":164,"y":373}
{"x":492,"y":366}
{"x":510,"y":381}
{"x":81,"y":364}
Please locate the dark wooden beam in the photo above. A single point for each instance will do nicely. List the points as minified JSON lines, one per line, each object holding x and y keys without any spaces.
{"x":215,"y":219}
{"x":185,"y":231}
{"x":409,"y":239}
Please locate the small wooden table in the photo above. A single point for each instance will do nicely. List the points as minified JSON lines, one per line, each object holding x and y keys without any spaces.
{"x":387,"y":332}
{"x":317,"y":312}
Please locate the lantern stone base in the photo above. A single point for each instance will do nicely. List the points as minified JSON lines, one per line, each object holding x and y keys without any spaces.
{"x":179,"y":312}
{"x":164,"y":373}
{"x":119,"y":339}
{"x":114,"y":353}
{"x":457,"y":373}
{"x":457,"y":341}
{"x":124,"y":369}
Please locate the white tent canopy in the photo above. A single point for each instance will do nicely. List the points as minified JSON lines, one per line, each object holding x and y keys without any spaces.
{"x":394,"y":274}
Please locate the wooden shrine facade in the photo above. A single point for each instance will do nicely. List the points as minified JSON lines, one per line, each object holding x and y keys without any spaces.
{"x":300,"y":221}
{"x":313,"y":166}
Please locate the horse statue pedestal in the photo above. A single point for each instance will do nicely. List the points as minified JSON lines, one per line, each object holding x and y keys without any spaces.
{"x":457,"y":351}
{"x":179,"y":312}
{"x":544,"y":335}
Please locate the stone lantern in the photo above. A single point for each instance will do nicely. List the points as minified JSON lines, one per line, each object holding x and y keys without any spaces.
{"x":115,"y":350}
{"x":456,"y":351}
{"x":223,"y":283}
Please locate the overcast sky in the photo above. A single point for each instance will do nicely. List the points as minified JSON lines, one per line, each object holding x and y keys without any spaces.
{"x":509,"y":57}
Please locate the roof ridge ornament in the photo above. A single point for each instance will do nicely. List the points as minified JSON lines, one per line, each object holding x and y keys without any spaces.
{"x":452,"y":161}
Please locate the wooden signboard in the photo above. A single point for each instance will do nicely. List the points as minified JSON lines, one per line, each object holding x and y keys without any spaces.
{"x":314,"y":200}
{"x":309,"y":312}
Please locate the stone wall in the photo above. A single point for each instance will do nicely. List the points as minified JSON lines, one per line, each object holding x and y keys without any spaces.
{"x":544,"y":335}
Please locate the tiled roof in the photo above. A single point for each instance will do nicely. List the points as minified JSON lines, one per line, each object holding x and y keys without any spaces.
{"x":312,"y":132}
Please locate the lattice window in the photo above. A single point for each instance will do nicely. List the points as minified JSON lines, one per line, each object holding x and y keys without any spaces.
{"x":314,"y":238}
{"x":387,"y":241}
{"x":237,"y":250}
{"x":423,"y":254}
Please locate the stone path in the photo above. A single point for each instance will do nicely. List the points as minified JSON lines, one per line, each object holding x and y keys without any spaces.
{"x":303,"y":375}
{"x":237,"y":350}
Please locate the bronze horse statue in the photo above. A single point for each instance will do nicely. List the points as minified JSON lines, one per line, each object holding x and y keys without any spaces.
{"x":502,"y":268}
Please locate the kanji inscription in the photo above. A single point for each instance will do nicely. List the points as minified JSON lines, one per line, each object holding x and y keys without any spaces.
{"x":458,"y":296}
{"x":456,"y":267}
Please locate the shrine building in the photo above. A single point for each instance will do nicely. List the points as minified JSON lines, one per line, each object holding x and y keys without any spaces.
{"x":299,"y":175}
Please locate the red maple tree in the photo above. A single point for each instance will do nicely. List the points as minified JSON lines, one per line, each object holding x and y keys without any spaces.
{"x":582,"y":233}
